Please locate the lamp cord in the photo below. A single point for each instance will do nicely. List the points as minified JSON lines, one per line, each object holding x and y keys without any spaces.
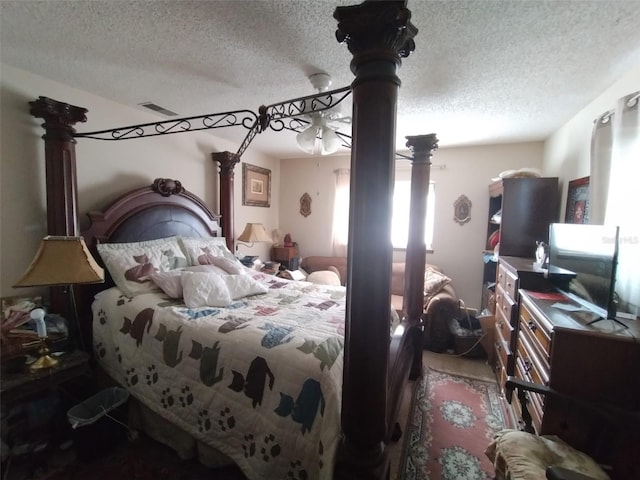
{"x":77,"y":333}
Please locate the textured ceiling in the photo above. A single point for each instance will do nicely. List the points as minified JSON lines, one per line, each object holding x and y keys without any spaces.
{"x":484,"y":71}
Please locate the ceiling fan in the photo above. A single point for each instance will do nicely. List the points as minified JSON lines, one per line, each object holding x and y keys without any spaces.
{"x":320,"y":137}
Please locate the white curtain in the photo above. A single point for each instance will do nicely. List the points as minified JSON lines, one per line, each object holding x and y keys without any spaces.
{"x":615,"y":171}
{"x":341,"y":213}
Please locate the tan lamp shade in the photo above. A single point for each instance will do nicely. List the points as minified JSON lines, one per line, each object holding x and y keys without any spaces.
{"x":61,"y":261}
{"x":254,"y":233}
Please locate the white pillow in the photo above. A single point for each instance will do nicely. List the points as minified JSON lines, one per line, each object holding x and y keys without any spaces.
{"x":201,"y":289}
{"x":207,"y":269}
{"x":243,"y":285}
{"x":171,"y":282}
{"x":324,"y":277}
{"x":202,"y":250}
{"x":233,"y":267}
{"x":132,"y":264}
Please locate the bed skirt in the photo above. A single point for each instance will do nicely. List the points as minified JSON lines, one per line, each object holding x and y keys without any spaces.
{"x":142,"y":419}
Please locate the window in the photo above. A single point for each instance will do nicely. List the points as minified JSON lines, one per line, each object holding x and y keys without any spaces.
{"x":341,"y":213}
{"x":400,"y":219}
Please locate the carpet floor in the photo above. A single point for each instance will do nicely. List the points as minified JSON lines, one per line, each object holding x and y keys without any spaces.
{"x":140,"y":459}
{"x":452,"y":421}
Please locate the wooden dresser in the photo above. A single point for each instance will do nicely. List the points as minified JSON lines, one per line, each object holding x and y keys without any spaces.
{"x":513,"y":273}
{"x":599,"y":362}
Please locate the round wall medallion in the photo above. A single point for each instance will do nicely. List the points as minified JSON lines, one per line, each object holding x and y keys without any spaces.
{"x":462,"y":210}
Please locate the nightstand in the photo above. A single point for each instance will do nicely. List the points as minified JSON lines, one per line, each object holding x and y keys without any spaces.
{"x":19,"y":384}
{"x":34,"y":405}
{"x":287,"y":256}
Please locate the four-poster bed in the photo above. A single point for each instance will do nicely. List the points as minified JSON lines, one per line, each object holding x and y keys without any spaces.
{"x":375,"y":366}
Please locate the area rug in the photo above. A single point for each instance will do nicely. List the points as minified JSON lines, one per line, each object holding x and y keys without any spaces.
{"x":452,"y":421}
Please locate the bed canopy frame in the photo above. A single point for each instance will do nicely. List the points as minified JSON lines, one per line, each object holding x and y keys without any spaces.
{"x":378,"y":34}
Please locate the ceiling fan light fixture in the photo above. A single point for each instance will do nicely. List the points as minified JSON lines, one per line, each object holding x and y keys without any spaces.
{"x":320,"y":81}
{"x":307,"y":139}
{"x":330,"y":141}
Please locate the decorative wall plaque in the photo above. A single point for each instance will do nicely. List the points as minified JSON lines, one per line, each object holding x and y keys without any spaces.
{"x":305,"y":205}
{"x":462,"y":209}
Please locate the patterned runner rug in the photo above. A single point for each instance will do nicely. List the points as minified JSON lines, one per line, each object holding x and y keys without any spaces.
{"x":452,"y":421}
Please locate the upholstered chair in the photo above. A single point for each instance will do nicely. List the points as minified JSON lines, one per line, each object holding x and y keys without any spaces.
{"x":589,"y":441}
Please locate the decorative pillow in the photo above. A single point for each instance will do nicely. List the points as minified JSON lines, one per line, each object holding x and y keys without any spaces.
{"x":202,"y":250}
{"x":434,"y":281}
{"x":233,"y":267}
{"x":323,"y":277}
{"x":171,"y":282}
{"x":131,"y":264}
{"x":201,"y":289}
{"x":207,"y":269}
{"x":241,"y":286}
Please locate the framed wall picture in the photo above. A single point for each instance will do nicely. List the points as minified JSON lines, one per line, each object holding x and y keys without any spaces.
{"x":578,"y":201}
{"x":256,"y":186}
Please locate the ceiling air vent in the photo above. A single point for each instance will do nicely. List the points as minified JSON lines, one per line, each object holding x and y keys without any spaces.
{"x":158,"y":108}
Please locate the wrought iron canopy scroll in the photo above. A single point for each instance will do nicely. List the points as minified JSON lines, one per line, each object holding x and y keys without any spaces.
{"x":277,"y":117}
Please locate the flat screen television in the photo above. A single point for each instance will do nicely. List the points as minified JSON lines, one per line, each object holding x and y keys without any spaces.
{"x":591,"y":253}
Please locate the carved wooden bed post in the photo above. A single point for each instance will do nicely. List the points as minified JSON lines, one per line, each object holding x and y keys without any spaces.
{"x":377,"y":34}
{"x":422,"y":147}
{"x":227,"y":161}
{"x":60,"y":161}
{"x":60,"y":167}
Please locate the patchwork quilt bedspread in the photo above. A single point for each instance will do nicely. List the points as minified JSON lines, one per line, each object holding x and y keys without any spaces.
{"x":259,"y":380}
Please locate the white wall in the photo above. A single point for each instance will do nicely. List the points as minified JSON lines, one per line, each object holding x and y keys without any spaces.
{"x":313,"y":175}
{"x":457,"y":248}
{"x":105,"y":169}
{"x":567,"y":151}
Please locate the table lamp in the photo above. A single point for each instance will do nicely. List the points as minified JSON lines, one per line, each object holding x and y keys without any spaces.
{"x":61,"y":261}
{"x":254,"y":233}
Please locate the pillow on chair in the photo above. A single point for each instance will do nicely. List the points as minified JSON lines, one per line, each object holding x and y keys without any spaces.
{"x":324,"y":277}
{"x":434,"y":281}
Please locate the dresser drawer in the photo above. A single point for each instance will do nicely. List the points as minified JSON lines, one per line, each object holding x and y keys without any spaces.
{"x":505,"y":305}
{"x":508,"y":281}
{"x":500,"y":275}
{"x":531,"y":363}
{"x":538,"y":335}
{"x":503,"y":351}
{"x":500,"y":372}
{"x":535,"y":404}
{"x":503,"y":325}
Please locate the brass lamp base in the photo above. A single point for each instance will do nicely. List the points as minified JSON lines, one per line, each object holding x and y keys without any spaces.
{"x":45,"y":360}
